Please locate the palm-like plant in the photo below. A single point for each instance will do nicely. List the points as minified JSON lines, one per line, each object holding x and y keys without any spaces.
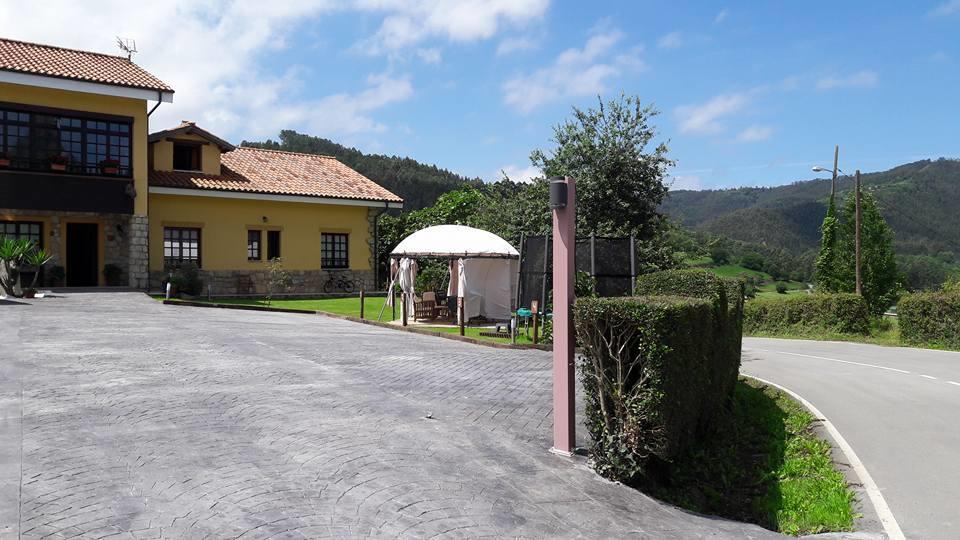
{"x":37,"y":258}
{"x":14,"y":255}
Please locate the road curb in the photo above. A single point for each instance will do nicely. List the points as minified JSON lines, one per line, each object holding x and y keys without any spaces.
{"x":889,"y":522}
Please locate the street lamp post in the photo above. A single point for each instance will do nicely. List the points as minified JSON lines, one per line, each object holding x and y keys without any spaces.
{"x":833,"y":191}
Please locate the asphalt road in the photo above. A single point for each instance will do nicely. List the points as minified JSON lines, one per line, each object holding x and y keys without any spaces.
{"x":898,"y":408}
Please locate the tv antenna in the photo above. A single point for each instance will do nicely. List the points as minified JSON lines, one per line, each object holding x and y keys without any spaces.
{"x":128,"y":46}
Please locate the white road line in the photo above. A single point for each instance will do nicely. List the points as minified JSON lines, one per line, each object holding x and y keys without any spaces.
{"x":929,"y":377}
{"x":953,"y":383}
{"x":890,"y":525}
{"x":838,"y":360}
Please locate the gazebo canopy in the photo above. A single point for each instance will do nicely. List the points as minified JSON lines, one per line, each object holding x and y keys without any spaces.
{"x":454,"y":242}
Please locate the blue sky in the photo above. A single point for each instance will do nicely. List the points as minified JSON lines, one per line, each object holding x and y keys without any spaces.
{"x":749,"y":93}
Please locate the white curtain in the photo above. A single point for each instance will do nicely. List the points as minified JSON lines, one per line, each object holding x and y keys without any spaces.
{"x":485,"y":285}
{"x":407,"y":279}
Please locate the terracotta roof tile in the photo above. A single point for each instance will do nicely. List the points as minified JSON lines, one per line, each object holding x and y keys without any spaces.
{"x":47,"y":60}
{"x":255,"y":170}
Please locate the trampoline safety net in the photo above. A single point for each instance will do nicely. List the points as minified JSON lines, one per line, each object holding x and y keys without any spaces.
{"x":609,"y":260}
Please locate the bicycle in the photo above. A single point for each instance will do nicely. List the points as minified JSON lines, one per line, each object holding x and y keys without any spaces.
{"x":339,"y":282}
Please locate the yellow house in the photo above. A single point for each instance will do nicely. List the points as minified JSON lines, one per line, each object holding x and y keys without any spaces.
{"x":81,"y":176}
{"x":230,"y":210}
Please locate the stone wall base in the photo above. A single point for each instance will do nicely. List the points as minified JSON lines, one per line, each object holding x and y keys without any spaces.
{"x":254,"y":282}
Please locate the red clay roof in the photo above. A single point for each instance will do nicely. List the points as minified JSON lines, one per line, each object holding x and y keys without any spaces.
{"x":272,"y":172}
{"x":50,"y":61}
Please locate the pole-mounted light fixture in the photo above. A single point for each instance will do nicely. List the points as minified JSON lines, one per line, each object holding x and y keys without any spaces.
{"x":558,"y":192}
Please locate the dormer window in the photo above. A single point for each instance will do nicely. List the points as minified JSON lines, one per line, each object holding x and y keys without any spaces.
{"x":186,"y":156}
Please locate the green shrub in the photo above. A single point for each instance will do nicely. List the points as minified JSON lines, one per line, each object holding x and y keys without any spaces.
{"x":187,"y":280}
{"x":646,"y":371}
{"x":931,"y":319}
{"x":800,"y":314}
{"x":727,"y":317}
{"x":584,"y":285}
{"x":781,"y":287}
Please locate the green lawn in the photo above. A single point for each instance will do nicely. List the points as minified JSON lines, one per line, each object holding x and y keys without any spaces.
{"x":474,"y":332}
{"x":338,"y":306}
{"x":735,"y":270}
{"x":351,"y":307}
{"x":764,"y":465}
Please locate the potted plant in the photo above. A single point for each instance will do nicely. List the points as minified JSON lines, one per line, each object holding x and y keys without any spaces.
{"x":4,"y":159}
{"x":110,"y":166}
{"x":58,"y":162}
{"x":113,"y":275}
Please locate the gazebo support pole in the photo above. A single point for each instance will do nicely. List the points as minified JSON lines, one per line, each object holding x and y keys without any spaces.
{"x":564,"y":248}
{"x":460,"y":315}
{"x":403,"y":308}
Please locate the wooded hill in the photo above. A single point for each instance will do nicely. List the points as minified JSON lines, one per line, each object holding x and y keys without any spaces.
{"x":918,"y":200}
{"x":419,"y":184}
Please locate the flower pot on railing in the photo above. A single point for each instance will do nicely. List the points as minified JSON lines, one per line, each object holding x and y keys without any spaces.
{"x":110,"y":167}
{"x":59,"y":162}
{"x":4,"y":161}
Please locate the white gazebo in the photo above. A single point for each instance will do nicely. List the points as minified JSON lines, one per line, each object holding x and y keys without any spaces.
{"x":483,"y":267}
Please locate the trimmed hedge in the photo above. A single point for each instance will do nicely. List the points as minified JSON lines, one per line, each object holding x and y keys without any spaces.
{"x":645,"y":370}
{"x":842,"y":313}
{"x":726,"y":296}
{"x":930,"y":319}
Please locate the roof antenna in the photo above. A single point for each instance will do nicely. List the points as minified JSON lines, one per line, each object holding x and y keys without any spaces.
{"x":128,"y":46}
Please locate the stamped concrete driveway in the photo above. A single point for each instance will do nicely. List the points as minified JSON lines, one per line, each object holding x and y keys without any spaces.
{"x":124,"y":418}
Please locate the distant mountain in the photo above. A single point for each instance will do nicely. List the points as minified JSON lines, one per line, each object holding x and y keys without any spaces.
{"x":920,"y":201}
{"x":419,"y":184}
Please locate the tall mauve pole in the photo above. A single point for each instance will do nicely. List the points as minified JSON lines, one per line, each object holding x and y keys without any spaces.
{"x":563,"y":201}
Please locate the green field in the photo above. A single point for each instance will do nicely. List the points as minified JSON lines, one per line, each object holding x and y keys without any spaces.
{"x":767,"y":287}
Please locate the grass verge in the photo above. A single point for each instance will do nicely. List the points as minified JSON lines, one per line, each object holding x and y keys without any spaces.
{"x":764,"y":465}
{"x":338,"y":306}
{"x":884,"y":332}
{"x":473,"y":332}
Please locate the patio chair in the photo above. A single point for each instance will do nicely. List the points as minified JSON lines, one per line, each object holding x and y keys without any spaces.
{"x":425,"y":308}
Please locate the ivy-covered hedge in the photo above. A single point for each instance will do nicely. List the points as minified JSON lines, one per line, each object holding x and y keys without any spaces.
{"x":798,"y":314}
{"x":726,"y":297}
{"x":930,"y":319}
{"x":646,"y":369}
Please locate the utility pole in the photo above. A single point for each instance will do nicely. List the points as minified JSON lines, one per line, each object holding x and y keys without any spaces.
{"x":836,"y":157}
{"x":857,"y":198}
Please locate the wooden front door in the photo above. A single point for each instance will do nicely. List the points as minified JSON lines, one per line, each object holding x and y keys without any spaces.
{"x":82,"y":257}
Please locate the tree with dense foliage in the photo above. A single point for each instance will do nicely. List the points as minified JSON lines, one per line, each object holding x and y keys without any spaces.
{"x":881,"y":280}
{"x":619,"y":180}
{"x":826,"y":264}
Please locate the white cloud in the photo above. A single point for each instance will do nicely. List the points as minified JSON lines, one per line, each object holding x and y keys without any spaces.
{"x":412,"y":21}
{"x":721,"y":16}
{"x":673,"y":40}
{"x":518,"y":174}
{"x":430,"y":56}
{"x":216,"y":54}
{"x":755,"y":133}
{"x":704,"y":119}
{"x":950,"y":7}
{"x":861,"y":79}
{"x":515,"y":44}
{"x":690,"y":182}
{"x":574,"y":73}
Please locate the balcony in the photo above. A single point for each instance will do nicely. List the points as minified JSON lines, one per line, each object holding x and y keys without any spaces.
{"x":38,"y":186}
